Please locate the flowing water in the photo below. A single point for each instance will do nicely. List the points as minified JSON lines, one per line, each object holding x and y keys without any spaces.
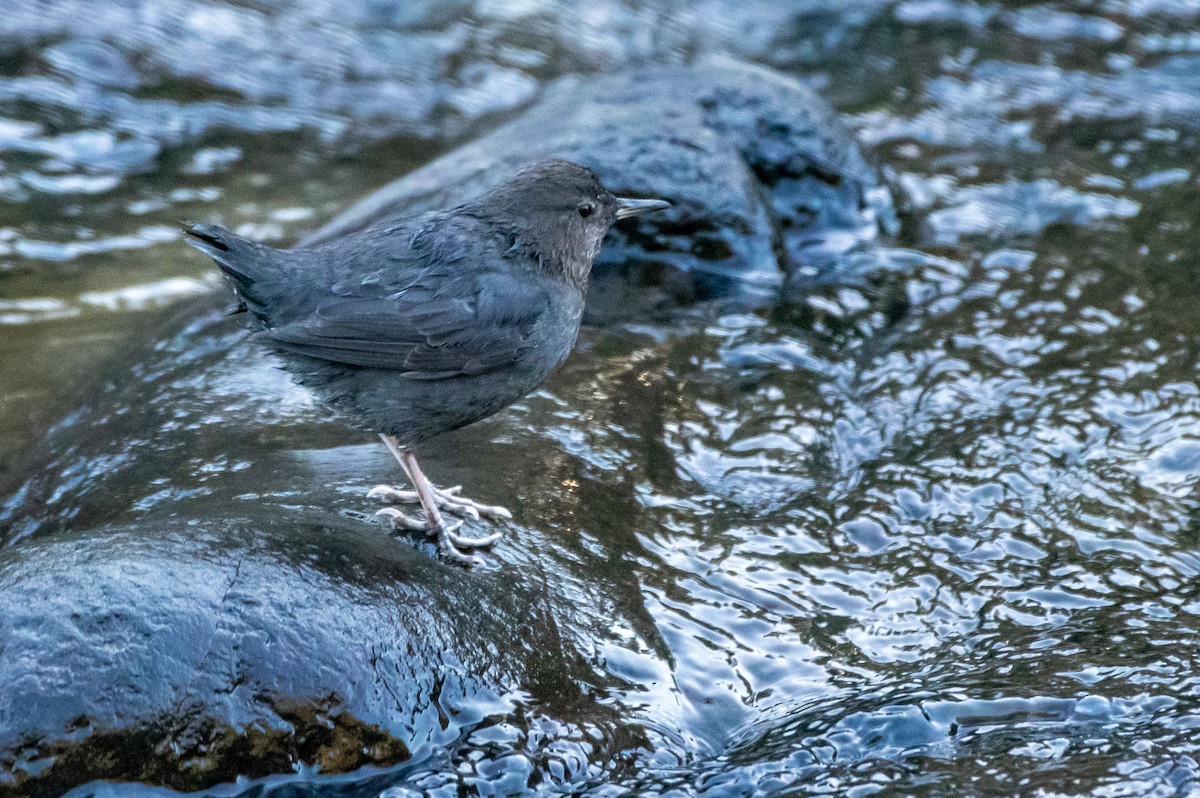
{"x":926,"y":528}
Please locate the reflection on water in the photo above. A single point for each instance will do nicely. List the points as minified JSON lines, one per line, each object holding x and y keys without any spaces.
{"x":928,"y":530}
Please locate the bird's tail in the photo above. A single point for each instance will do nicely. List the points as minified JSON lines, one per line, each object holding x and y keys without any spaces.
{"x":233,"y":254}
{"x":245,"y":262}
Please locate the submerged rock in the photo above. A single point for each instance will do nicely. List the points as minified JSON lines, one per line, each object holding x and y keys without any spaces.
{"x":763,"y":178}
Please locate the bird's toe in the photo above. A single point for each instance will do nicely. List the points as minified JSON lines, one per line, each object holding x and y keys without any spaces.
{"x":464,"y":542}
{"x":393,"y":495}
{"x":452,"y":553}
{"x":400,"y":520}
{"x":451,"y":500}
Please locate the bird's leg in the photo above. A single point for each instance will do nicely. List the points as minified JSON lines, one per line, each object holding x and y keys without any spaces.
{"x":448,"y":499}
{"x":449,"y":543}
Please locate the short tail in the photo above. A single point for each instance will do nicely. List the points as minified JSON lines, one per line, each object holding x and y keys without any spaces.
{"x":244,"y":262}
{"x":223,"y":246}
{"x":210,"y":237}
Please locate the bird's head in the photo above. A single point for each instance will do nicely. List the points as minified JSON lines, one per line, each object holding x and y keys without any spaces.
{"x":560,"y":211}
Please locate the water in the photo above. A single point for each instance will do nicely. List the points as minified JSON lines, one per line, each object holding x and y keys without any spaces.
{"x":929,"y":529}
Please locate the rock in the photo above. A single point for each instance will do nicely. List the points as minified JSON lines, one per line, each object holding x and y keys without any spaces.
{"x":193,"y":589}
{"x":328,"y":76}
{"x":182,"y":653}
{"x":192,"y":592}
{"x":762,"y":176}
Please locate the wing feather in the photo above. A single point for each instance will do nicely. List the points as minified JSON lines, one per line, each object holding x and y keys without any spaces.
{"x":438,"y":327}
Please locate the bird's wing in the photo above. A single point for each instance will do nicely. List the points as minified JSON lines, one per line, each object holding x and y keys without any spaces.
{"x":439,"y":326}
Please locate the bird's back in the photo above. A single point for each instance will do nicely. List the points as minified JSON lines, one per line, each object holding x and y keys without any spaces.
{"x":278,"y":286}
{"x":444,"y":298}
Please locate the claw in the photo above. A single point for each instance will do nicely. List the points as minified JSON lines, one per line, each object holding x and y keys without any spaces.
{"x":474,"y":543}
{"x":450,"y":542}
{"x":494,"y":511}
{"x":447,"y":543}
{"x":463,"y":542}
{"x":456,"y":503}
{"x":393,"y":495}
{"x":448,"y":499}
{"x":399,"y":520}
{"x":451,"y":506}
{"x":447,"y":550}
{"x":452,"y":546}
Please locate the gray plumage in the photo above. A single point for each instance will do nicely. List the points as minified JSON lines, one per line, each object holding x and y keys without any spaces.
{"x":432,"y":322}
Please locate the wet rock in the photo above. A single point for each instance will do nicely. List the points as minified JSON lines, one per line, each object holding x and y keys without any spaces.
{"x":191,"y":593}
{"x":763,"y":179}
{"x":180,"y":653}
{"x":654,"y":623}
{"x":176,"y":73}
{"x":969,"y":563}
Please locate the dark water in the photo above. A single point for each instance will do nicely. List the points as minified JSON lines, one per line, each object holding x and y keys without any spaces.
{"x":929,"y":530}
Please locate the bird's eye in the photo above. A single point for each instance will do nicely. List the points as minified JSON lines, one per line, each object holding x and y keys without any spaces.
{"x":586,"y":209}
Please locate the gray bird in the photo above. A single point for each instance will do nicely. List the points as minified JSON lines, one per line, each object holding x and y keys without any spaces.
{"x":428,"y":323}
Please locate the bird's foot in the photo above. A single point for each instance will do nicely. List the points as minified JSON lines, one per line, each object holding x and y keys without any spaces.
{"x":451,"y":545}
{"x":448,"y":499}
{"x":401,"y":520}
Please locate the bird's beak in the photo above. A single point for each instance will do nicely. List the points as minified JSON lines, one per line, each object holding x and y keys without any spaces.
{"x":632,"y":207}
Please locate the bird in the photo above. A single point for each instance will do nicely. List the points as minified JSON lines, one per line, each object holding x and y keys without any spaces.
{"x":425,"y":323}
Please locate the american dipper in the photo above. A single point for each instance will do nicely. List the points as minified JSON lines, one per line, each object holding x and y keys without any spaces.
{"x":428,"y":323}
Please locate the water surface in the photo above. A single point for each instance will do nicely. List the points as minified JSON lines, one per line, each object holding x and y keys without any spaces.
{"x":928,"y":528}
